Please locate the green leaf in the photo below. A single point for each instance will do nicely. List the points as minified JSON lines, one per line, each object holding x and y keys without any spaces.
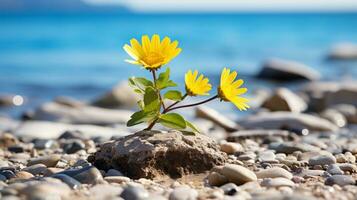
{"x":173,"y":95}
{"x":138,"y":91}
{"x":137,"y":118}
{"x":192,"y":126}
{"x":172,"y":120}
{"x":151,"y":100}
{"x":140,"y":117}
{"x":164,"y":80}
{"x":140,"y":83}
{"x":141,"y":104}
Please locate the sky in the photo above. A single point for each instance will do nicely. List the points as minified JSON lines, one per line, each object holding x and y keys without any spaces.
{"x":234,"y":5}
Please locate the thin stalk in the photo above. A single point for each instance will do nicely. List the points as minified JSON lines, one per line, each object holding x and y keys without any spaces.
{"x":158,"y":91}
{"x":194,"y":104}
{"x":172,"y":105}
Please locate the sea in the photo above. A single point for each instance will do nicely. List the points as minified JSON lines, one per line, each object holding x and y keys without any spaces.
{"x":45,"y":55}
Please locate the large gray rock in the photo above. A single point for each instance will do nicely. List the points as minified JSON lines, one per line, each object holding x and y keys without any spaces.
{"x":122,"y":95}
{"x":287,"y":120}
{"x":285,"y":100}
{"x":343,"y":51}
{"x":152,"y":153}
{"x":216,"y":117}
{"x":285,"y":70}
{"x":81,"y":115}
{"x":51,"y":130}
{"x":323,"y":95}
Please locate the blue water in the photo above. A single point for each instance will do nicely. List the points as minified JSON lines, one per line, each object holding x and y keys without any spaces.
{"x":46,"y":55}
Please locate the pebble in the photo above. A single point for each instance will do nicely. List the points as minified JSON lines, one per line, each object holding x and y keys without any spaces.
{"x":45,"y":190}
{"x":8,"y":174}
{"x":334,"y":170}
{"x":277,"y":182}
{"x":216,"y":179}
{"x":134,"y":193}
{"x":71,"y":182}
{"x":44,"y":144}
{"x":322,"y":160}
{"x":348,"y":167}
{"x":238,"y":174}
{"x":340,"y":180}
{"x":183,"y":193}
{"x":90,"y":176}
{"x":231,"y":147}
{"x":113,"y":172}
{"x":73,"y":146}
{"x":49,"y":161}
{"x":36,"y":169}
{"x":23,"y":175}
{"x":51,"y":171}
{"x":106,"y":191}
{"x":274,"y":172}
{"x":230,"y":189}
{"x":117,"y":179}
{"x":2,"y":177}
{"x":267,"y":156}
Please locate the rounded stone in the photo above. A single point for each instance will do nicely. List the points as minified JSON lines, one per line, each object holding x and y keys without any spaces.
{"x":148,"y":154}
{"x":340,"y":180}
{"x":231,"y":147}
{"x":274,"y":172}
{"x":238,"y":174}
{"x":49,"y":161}
{"x":183,"y":193}
{"x":23,"y":175}
{"x":216,"y":179}
{"x":277,"y":182}
{"x":134,"y":193}
{"x":322,"y":160}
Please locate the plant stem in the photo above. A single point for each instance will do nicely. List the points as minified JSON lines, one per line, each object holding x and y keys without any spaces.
{"x":190,"y":105}
{"x":158,"y":91}
{"x":172,"y":105}
{"x":151,"y":124}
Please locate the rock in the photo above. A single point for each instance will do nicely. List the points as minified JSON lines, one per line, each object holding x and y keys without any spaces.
{"x":49,"y":161}
{"x":122,"y":95}
{"x":285,"y":100}
{"x":348,"y":111}
{"x":340,"y":180}
{"x":8,"y":174}
{"x":284,"y":70}
{"x":274,"y":172}
{"x":7,"y":124}
{"x":147,"y":154}
{"x":348,"y":167}
{"x":117,"y":179}
{"x":2,"y":177}
{"x":343,"y":51}
{"x":105,"y":192}
{"x":216,"y":179}
{"x":23,"y":175}
{"x":51,"y":171}
{"x":113,"y":172}
{"x":6,"y":100}
{"x":334,"y":170}
{"x":267,"y":156}
{"x":134,"y":193}
{"x":71,"y":182}
{"x":69,"y":101}
{"x":183,"y":193}
{"x":72,"y":146}
{"x":311,"y":173}
{"x":90,"y":175}
{"x":291,"y":147}
{"x":50,"y":130}
{"x":231,"y":147}
{"x":344,"y":95}
{"x":7,"y":140}
{"x":216,"y":117}
{"x":72,"y":135}
{"x":287,"y":120}
{"x":36,"y":169}
{"x":238,"y":174}
{"x":44,"y":190}
{"x":277,"y":182}
{"x":82,"y":115}
{"x":230,"y":189}
{"x":335,"y":117}
{"x":44,"y":144}
{"x":322,"y":160}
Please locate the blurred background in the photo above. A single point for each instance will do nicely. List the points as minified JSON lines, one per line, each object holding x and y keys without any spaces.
{"x":51,"y":48}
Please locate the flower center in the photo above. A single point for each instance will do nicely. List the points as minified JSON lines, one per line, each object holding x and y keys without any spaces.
{"x":153,"y":58}
{"x":221,"y":94}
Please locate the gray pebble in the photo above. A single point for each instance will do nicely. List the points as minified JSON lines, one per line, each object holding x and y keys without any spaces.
{"x":230,"y":189}
{"x":340,"y":180}
{"x":334,"y":170}
{"x":134,"y":193}
{"x":322,"y":160}
{"x":183,"y":193}
{"x":71,"y":182}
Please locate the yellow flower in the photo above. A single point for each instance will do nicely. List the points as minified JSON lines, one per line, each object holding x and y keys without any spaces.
{"x":229,"y":89}
{"x":152,"y":54}
{"x":196,"y":86}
